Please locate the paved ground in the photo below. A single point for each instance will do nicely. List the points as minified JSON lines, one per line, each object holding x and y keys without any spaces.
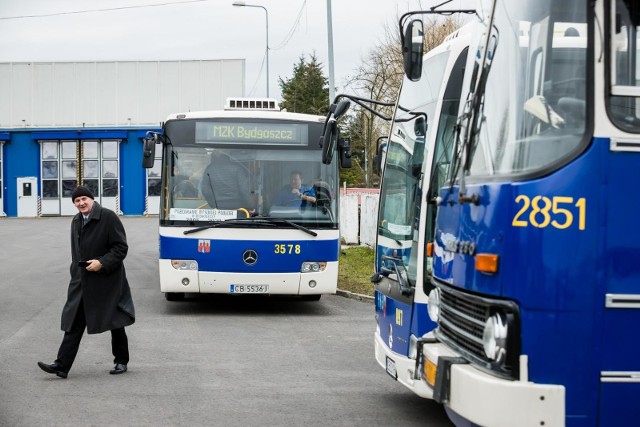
{"x":217,"y":360}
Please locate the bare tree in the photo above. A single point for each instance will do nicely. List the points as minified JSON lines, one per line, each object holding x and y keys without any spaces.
{"x":380,"y":77}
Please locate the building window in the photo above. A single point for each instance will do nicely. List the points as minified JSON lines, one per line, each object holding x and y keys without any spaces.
{"x":50,"y":170}
{"x":69,"y":166}
{"x":109,"y":149}
{"x":69,"y":150}
{"x":90,"y":164}
{"x":63,"y":165}
{"x":110,"y":166}
{"x":90,"y":149}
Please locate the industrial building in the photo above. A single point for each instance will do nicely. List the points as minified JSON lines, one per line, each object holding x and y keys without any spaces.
{"x":68,"y":123}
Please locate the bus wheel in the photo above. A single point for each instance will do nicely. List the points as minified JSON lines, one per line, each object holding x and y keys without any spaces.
{"x":310,"y":297}
{"x":174,"y":296}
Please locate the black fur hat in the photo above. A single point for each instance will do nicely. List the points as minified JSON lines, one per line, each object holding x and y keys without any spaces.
{"x":81,"y":191}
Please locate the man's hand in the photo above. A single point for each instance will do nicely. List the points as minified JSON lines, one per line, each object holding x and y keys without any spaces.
{"x":94,"y":265}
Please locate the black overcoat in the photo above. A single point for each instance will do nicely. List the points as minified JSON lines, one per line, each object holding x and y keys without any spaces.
{"x":105,"y":294}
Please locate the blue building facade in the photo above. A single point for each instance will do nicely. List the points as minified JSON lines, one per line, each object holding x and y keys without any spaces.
{"x":82,"y":123}
{"x":51,"y":162}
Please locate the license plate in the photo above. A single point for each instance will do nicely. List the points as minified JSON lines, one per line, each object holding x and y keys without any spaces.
{"x":430,"y":369}
{"x":391,"y":368}
{"x":249,"y":289}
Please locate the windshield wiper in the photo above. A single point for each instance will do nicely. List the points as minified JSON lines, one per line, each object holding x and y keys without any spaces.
{"x":286,"y":221}
{"x":227,"y":222}
{"x":475,"y":106}
{"x":260,"y":220}
{"x":381,"y":228}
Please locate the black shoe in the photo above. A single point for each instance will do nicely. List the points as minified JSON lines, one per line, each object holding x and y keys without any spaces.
{"x":54,"y":368}
{"x":118,"y":369}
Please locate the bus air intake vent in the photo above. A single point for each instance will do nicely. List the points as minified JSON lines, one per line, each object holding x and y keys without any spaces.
{"x":254,"y":104}
{"x":461,"y":324}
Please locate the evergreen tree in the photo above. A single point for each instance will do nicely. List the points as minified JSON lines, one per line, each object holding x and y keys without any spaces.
{"x":307,"y":91}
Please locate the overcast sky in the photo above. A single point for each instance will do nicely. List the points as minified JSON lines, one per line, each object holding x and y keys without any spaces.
{"x":199,"y":29}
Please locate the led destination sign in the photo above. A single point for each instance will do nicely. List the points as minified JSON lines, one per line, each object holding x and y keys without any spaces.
{"x":242,"y":133}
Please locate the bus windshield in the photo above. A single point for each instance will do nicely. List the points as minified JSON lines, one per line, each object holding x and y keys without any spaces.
{"x":226,"y":169}
{"x":537,"y":85}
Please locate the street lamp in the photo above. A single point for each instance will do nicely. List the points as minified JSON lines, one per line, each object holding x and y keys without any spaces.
{"x":332,"y":87}
{"x":266,"y":14}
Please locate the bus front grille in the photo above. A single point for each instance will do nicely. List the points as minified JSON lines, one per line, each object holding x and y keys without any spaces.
{"x":461,"y":325}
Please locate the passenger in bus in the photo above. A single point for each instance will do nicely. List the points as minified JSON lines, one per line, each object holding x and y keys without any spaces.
{"x":296,"y":194}
{"x":225,"y":183}
{"x":183,"y":187}
{"x":99,"y":297}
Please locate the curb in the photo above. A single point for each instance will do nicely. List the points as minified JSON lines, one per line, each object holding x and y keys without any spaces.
{"x":352,"y":295}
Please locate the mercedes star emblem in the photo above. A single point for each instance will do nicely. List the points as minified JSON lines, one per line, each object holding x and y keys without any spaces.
{"x":250,"y":257}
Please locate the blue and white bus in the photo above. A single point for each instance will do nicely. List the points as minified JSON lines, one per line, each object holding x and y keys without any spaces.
{"x":535,"y":274}
{"x":246,"y":206}
{"x":418,"y":154}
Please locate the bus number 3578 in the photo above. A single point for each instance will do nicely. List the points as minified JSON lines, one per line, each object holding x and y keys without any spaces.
{"x":286,"y":249}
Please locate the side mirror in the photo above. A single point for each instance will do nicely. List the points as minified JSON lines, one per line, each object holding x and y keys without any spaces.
{"x":420,"y":127}
{"x":378,"y":159}
{"x":341,"y":108}
{"x":149,"y":150}
{"x":329,"y":140}
{"x":412,"y":50}
{"x":344,"y":148}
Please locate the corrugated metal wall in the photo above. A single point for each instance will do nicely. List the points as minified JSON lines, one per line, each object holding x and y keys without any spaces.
{"x":90,"y":94}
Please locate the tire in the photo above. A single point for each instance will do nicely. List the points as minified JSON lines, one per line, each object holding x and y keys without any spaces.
{"x":174,"y":296}
{"x":310,"y":297}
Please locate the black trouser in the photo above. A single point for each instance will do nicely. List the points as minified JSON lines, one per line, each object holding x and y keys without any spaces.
{"x":71,"y":342}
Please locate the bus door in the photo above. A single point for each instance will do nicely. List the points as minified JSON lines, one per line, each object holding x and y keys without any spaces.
{"x":619,"y":386}
{"x":440,"y":168}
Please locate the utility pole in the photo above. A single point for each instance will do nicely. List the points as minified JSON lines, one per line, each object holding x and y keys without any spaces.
{"x":332,"y":87}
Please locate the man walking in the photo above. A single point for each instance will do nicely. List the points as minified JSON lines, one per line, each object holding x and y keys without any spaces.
{"x":98,"y":298}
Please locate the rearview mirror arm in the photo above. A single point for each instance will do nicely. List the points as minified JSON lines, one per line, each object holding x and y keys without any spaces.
{"x":361,"y":102}
{"x":433,"y":11}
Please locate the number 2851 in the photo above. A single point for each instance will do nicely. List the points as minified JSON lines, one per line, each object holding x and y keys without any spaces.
{"x":559,"y":212}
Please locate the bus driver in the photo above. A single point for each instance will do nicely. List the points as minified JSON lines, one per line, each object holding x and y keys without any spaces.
{"x":298,"y":194}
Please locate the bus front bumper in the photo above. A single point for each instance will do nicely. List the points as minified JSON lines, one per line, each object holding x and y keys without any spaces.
{"x":194,"y":281}
{"x":484,"y":399}
{"x":404,"y":368}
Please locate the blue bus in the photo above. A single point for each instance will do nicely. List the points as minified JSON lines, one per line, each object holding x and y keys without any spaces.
{"x":417,"y":155}
{"x":246,"y":204}
{"x":535,"y":273}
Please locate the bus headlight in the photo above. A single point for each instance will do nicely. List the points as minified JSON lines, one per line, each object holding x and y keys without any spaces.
{"x":494,"y":337}
{"x":433,"y":305}
{"x":313,"y":267}
{"x":184,"y":264}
